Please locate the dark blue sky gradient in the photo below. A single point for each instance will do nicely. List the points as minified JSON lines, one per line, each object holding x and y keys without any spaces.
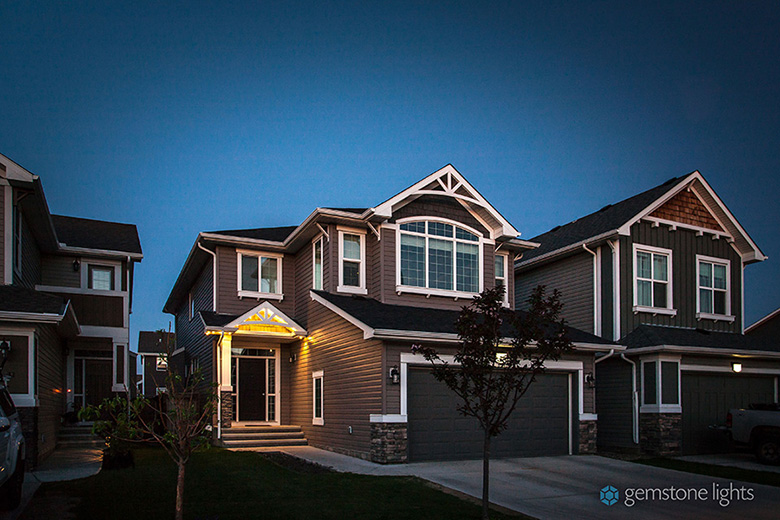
{"x":183,"y":117}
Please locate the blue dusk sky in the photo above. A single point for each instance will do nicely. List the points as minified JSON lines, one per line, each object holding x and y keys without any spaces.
{"x":191,"y":116}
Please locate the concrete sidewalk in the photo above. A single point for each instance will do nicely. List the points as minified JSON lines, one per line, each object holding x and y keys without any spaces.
{"x":736,"y":460}
{"x":568,"y":486}
{"x":63,"y":464}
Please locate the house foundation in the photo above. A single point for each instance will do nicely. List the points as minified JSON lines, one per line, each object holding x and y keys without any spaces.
{"x":389,"y":443}
{"x":660,"y":433}
{"x":588,"y":437}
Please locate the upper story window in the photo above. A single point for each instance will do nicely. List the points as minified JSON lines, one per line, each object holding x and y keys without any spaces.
{"x":439,"y":256}
{"x":317,"y":264}
{"x":352,"y":262}
{"x":17,"y":239}
{"x":652,"y":280}
{"x":191,"y":298}
{"x":501,"y":270}
{"x":713,"y":296}
{"x":101,"y":277}
{"x":162,"y":363}
{"x":259,"y":275}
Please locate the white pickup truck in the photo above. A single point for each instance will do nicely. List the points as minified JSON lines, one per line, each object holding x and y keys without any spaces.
{"x":759,"y":428}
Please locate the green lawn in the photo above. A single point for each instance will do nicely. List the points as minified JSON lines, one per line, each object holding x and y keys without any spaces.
{"x":745,"y":475}
{"x":240,"y":485}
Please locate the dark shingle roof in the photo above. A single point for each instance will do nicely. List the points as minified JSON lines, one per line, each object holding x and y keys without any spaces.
{"x":602,"y":221}
{"x":21,"y":299}
{"x":154,"y":342}
{"x":97,"y":234}
{"x":274,"y":234}
{"x":655,"y":335}
{"x":215,"y":319}
{"x":379,"y":315}
{"x":359,"y":211}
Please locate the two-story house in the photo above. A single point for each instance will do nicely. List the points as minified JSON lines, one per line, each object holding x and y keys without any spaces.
{"x":65,"y":301}
{"x":312,"y":326}
{"x":153,"y":349}
{"x":661,"y":273}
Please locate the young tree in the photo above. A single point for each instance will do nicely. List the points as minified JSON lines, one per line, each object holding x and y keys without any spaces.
{"x":500,"y":355}
{"x":179,"y":420}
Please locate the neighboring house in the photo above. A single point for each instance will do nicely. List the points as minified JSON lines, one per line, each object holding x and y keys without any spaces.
{"x":65,"y":300}
{"x":766,"y":329}
{"x":313,"y":326}
{"x":662,"y":274}
{"x":153,"y":349}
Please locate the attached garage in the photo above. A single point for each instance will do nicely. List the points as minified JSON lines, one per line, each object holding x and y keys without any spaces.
{"x":707,"y":397}
{"x":539,"y":426}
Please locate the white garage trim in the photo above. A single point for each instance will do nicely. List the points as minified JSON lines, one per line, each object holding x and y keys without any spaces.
{"x":708,"y":368}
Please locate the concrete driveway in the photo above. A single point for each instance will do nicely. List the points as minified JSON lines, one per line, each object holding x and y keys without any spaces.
{"x":568,"y":487}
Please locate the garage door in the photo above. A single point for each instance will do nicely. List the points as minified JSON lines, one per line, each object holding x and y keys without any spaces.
{"x":707,"y":398}
{"x":538,"y":426}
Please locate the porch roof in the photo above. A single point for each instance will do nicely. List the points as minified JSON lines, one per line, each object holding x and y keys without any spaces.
{"x":656,"y":336}
{"x":263,"y":320}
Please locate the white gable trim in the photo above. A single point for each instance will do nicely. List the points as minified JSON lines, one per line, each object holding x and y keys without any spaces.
{"x":272,"y":317}
{"x":450,"y":180}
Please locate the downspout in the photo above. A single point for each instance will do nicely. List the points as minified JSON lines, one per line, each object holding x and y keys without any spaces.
{"x":599,"y":360}
{"x":634,"y":399}
{"x":596,"y":304}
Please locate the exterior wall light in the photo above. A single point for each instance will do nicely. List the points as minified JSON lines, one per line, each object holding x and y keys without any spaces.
{"x":736,"y":367}
{"x":590,"y":380}
{"x":5,"y":349}
{"x":76,"y":265}
{"x":394,"y":375}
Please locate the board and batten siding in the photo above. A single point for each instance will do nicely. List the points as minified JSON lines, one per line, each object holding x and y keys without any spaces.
{"x":352,"y":382}
{"x":58,"y":271}
{"x":573,"y":277}
{"x":228,"y":301}
{"x":614,"y":404}
{"x":607,"y":295}
{"x":190,"y":333}
{"x":685,"y":245}
{"x":51,"y":383}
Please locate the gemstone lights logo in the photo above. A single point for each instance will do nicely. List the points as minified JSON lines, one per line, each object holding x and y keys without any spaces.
{"x":609,"y":495}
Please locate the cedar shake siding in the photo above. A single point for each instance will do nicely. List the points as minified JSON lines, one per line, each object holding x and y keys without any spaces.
{"x":573,"y":277}
{"x":190,"y":332}
{"x":51,"y":385}
{"x":685,"y":245}
{"x":352,"y":382}
{"x":58,"y":271}
{"x":686,"y":208}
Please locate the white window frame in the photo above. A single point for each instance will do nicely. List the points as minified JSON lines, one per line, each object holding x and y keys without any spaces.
{"x":116,"y":266}
{"x":279,"y":294}
{"x":713,"y":316}
{"x":321,"y":241}
{"x":361,"y":289}
{"x":30,"y":398}
{"x":318,"y":375}
{"x":17,"y":238}
{"x":161,"y":363}
{"x":669,"y":310}
{"x":452,"y":293}
{"x":659,"y":407}
{"x":505,"y":258}
{"x":191,"y":305}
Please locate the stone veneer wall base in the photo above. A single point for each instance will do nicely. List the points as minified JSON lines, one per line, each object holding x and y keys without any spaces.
{"x":389,"y":443}
{"x":660,"y":433}
{"x":588,"y":437}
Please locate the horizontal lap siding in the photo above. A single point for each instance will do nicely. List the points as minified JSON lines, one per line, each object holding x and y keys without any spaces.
{"x":31,"y":259}
{"x":573,"y":277}
{"x":2,"y":226}
{"x":190,"y":334}
{"x":685,"y":245}
{"x":153,"y":378}
{"x":58,"y":271}
{"x":352,"y":387}
{"x":90,"y":309}
{"x":51,"y":388}
{"x":304,"y":266}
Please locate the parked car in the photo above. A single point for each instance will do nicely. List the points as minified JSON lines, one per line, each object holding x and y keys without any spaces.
{"x":12,"y":453}
{"x":759,"y":428}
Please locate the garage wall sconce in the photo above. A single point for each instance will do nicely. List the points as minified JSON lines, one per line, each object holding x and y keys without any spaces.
{"x":394,"y":375}
{"x":76,"y":265}
{"x":590,"y":380}
{"x":293,"y":357}
{"x":736,"y":367}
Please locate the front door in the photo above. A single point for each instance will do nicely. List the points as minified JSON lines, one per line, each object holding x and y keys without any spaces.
{"x":251,"y":389}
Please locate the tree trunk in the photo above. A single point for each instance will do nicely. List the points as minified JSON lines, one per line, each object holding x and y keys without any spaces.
{"x":180,"y":492}
{"x":486,"y":478}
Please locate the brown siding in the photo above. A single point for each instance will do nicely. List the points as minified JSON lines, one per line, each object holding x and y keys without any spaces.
{"x":686,"y":208}
{"x":2,"y":226}
{"x":685,"y":245}
{"x":190,"y":333}
{"x":228,"y":301}
{"x":304,"y":265}
{"x":374,"y":265}
{"x":31,"y":259}
{"x":51,"y":388}
{"x":106,"y":311}
{"x":352,"y":387}
{"x":17,"y":363}
{"x":153,"y":379}
{"x":58,"y":271}
{"x":573,"y":277}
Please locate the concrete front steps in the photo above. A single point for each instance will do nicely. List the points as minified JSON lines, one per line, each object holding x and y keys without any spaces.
{"x":263,"y":436}
{"x":78,"y":436}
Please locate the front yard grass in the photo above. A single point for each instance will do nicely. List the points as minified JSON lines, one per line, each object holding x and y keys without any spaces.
{"x":767,"y":478}
{"x":223,"y":485}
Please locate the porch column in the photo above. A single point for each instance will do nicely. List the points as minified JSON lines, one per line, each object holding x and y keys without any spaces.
{"x":225,"y":386}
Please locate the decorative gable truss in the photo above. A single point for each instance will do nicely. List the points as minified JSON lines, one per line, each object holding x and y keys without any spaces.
{"x":449,"y":182}
{"x":692,"y":204}
{"x":263,"y":320}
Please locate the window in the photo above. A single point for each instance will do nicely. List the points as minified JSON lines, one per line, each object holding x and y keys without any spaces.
{"x":101,"y":277}
{"x":661,"y":385}
{"x":649,"y":382}
{"x":162,"y":363}
{"x":352,"y":275}
{"x":17,"y":246}
{"x":500,"y":276}
{"x":191,"y":305}
{"x":652,"y":277}
{"x":440,"y":256}
{"x":259,"y":275}
{"x":317,"y":416}
{"x":713,"y":286}
{"x":317,"y":265}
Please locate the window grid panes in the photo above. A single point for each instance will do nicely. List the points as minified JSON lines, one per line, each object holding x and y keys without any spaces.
{"x":101,"y":278}
{"x":351,"y":262}
{"x":652,"y":279}
{"x":437,"y":255}
{"x":712,"y":288}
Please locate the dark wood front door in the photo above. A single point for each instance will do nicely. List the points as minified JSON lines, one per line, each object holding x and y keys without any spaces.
{"x":251,"y":389}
